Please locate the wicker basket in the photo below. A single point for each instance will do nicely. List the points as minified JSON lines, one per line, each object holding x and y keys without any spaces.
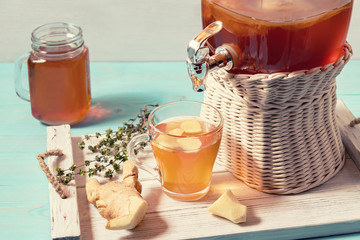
{"x":280,"y":132}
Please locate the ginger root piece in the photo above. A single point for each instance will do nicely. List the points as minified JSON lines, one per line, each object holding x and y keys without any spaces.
{"x":227,"y":206}
{"x":119,"y":202}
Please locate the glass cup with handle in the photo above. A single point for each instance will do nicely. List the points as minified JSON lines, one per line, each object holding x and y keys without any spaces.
{"x":185,"y":143}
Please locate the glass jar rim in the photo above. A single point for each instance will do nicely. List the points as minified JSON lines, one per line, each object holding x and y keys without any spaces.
{"x":61,"y":33}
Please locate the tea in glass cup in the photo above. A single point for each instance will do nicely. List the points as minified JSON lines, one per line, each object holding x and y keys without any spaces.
{"x":185,"y":144}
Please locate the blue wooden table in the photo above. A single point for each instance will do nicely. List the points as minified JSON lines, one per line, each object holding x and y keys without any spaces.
{"x":119,"y":90}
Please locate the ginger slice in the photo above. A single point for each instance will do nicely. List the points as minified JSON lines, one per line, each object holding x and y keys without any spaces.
{"x":176,"y":132}
{"x":119,"y":202}
{"x":227,"y":206}
{"x":171,"y":125}
{"x":191,"y":126}
{"x":189,"y":145}
{"x":166,"y":142}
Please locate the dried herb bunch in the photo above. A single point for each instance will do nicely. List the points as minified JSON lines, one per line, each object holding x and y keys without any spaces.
{"x":110,"y":149}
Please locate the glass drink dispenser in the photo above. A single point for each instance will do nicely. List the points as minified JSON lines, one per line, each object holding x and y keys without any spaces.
{"x":268,"y":36}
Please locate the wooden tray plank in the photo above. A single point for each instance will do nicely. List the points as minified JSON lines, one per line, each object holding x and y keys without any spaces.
{"x":64,"y":212}
{"x":332,"y":204}
{"x":332,"y":208}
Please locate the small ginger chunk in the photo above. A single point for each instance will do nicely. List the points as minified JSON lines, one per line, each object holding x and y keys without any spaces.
{"x":227,"y":206}
{"x":166,"y":142}
{"x":119,"y":202}
{"x":189,"y":145}
{"x":176,"y":132}
{"x":191,"y":126}
{"x":170,"y":126}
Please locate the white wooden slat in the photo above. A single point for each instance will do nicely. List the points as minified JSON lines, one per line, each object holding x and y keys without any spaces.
{"x":64,"y":212}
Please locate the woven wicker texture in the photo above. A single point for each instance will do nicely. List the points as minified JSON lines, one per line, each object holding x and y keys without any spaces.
{"x":280,"y":134}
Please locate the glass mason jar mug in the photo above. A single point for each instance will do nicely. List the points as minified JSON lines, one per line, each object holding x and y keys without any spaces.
{"x":58,"y":74}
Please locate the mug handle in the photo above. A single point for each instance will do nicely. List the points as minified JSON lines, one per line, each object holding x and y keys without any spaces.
{"x":132,"y":145}
{"x":21,"y":91}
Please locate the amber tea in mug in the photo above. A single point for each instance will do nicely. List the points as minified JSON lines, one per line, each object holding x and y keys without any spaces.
{"x":58,"y":74}
{"x":185,"y":161}
{"x":185,"y":145}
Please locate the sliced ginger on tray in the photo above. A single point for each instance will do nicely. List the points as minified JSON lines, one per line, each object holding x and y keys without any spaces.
{"x":227,"y":206}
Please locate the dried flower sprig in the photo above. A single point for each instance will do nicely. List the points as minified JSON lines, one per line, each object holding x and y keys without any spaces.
{"x":110,"y":149}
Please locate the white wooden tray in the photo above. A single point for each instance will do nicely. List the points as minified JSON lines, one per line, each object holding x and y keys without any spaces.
{"x":332,"y":208}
